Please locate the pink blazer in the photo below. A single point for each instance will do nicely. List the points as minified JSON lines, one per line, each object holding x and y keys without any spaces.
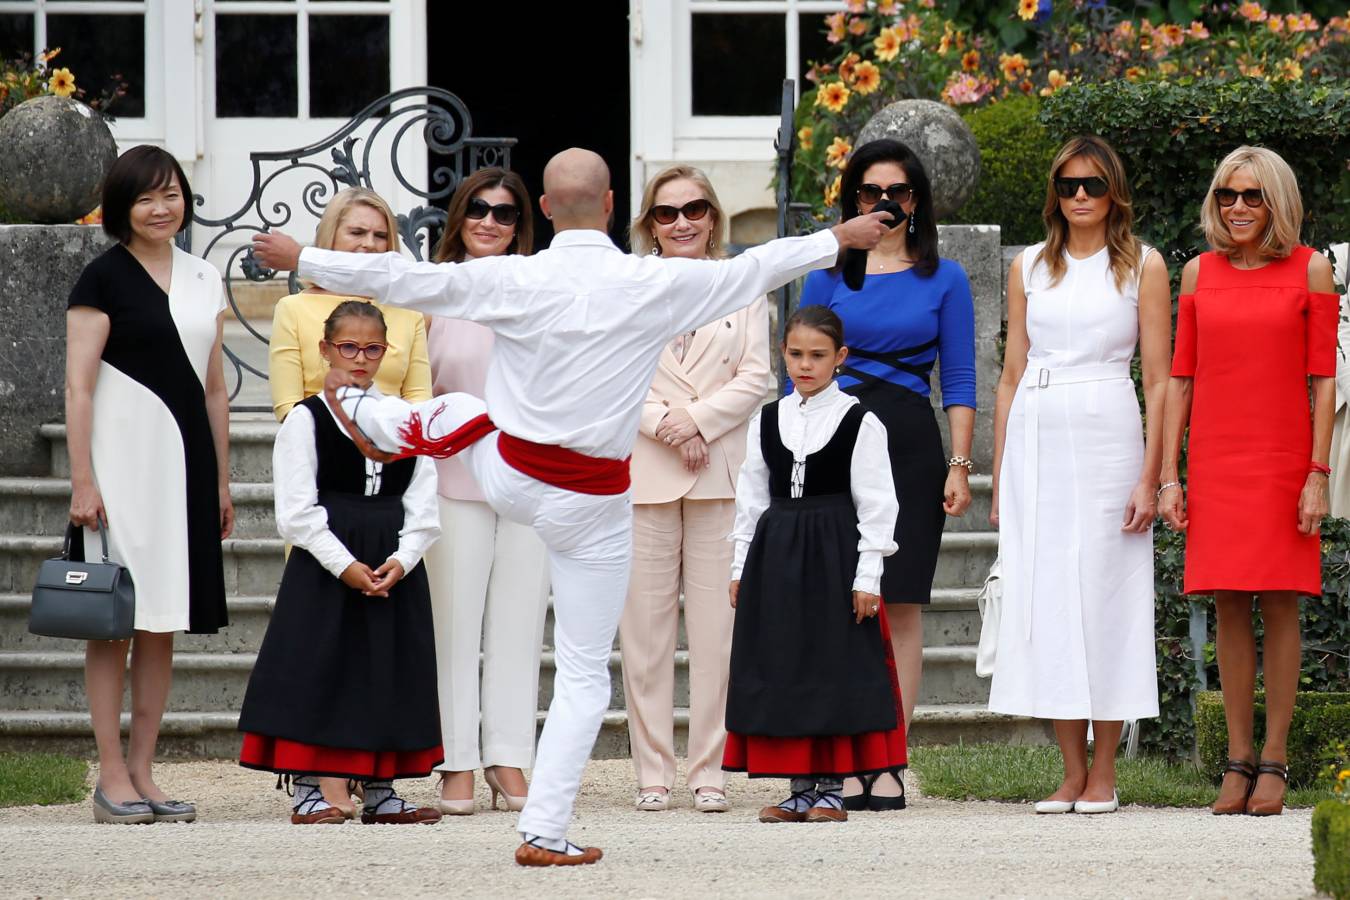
{"x":721,"y":382}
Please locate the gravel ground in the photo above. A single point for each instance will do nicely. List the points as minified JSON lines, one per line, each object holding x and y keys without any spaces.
{"x":243,"y":847}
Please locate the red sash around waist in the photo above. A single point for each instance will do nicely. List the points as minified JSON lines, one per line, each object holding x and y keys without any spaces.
{"x":564,"y":468}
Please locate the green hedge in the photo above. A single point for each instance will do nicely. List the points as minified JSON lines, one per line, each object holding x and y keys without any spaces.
{"x":1015,"y":156}
{"x":1331,"y":848}
{"x":1172,"y":135}
{"x":1318,"y":718}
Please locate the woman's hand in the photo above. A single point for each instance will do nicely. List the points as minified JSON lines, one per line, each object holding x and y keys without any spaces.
{"x":358,"y":576}
{"x":388,"y":575}
{"x":956,"y":495}
{"x":86,"y":505}
{"x":676,"y":427}
{"x":865,"y":605}
{"x":694,"y":453}
{"x":226,"y":512}
{"x":733,"y":590}
{"x":1312,"y":503}
{"x":1141,"y":509}
{"x":1172,"y":507}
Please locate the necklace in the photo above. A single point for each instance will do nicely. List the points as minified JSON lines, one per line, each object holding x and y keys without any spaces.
{"x":899,"y":261}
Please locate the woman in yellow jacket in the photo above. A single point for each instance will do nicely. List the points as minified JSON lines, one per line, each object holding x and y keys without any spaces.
{"x":357,"y":221}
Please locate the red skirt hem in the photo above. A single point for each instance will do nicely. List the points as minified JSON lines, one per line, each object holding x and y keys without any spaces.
{"x":297,"y":758}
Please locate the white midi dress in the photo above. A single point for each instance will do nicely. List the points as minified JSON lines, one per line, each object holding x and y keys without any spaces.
{"x":1076,"y":638}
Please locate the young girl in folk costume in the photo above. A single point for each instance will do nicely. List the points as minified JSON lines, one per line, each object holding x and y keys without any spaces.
{"x":813,"y":694}
{"x":345,"y":683}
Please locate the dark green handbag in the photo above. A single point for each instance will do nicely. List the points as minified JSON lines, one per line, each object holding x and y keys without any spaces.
{"x":87,"y":601}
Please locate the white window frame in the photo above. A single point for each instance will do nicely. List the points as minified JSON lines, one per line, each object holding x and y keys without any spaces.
{"x":151,"y":126}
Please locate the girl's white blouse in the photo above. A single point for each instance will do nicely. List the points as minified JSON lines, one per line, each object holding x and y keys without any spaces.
{"x":302,"y":522}
{"x":805,"y":425}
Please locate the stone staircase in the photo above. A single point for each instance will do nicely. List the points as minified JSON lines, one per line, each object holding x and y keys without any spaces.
{"x":42,"y":703}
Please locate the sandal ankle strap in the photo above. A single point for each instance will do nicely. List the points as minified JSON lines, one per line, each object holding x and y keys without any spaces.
{"x":1270,"y":767}
{"x":1240,"y":766}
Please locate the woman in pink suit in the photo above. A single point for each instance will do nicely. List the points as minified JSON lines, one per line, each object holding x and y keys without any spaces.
{"x":689,"y":450}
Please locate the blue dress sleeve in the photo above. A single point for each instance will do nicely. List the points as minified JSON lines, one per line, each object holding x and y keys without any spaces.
{"x":956,"y":339}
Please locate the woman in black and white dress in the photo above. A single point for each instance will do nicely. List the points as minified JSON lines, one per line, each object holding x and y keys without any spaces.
{"x":147,"y":415}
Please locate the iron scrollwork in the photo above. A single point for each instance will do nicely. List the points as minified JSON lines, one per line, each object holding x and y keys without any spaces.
{"x":368,"y":144}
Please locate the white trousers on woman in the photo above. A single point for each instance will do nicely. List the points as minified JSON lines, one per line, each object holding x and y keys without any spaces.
{"x":679,"y":543}
{"x":489,"y":592}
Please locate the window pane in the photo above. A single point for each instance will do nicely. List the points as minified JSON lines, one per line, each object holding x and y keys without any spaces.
{"x":812,"y":46}
{"x":103,"y":52}
{"x":16,"y":35}
{"x":255,"y":66}
{"x":348,"y":63}
{"x":738,"y":63}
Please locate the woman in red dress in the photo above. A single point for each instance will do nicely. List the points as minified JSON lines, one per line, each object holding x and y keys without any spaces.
{"x":1256,"y":323}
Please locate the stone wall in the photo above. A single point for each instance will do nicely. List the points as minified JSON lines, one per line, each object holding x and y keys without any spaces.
{"x":976,"y":248}
{"x":38,"y":266}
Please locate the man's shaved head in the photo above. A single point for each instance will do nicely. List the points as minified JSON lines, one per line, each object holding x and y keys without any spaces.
{"x":576,"y":185}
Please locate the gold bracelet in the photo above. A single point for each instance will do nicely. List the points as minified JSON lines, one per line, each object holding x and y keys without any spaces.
{"x":968,"y":465}
{"x":1170,"y":484}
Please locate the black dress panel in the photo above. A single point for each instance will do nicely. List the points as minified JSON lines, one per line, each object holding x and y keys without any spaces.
{"x":801,"y":666}
{"x":338,"y":669}
{"x":144,"y":343}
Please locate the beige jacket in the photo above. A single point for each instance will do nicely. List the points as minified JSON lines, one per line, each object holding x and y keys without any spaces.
{"x":721,"y":382}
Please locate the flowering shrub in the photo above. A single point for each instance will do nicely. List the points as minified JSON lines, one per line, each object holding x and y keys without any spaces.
{"x":23,"y":79}
{"x":887,"y":50}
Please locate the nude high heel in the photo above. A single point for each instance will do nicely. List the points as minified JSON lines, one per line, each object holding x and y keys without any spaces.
{"x":513,"y":803}
{"x":453,"y":807}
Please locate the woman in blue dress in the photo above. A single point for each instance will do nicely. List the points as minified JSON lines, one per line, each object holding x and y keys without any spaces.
{"x":914,"y":311}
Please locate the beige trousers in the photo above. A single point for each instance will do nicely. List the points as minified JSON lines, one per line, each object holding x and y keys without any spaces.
{"x":489,"y":593}
{"x":682,"y":543}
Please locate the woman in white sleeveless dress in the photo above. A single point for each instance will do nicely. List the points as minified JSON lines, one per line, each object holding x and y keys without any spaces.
{"x":1075,"y":490}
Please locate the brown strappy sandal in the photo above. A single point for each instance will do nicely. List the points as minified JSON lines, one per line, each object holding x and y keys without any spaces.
{"x":1239,"y":806}
{"x":1269,"y":807}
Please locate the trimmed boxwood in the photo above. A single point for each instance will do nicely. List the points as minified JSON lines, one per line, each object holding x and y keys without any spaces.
{"x":1015,"y":156}
{"x":1318,"y":718}
{"x":1331,"y":848}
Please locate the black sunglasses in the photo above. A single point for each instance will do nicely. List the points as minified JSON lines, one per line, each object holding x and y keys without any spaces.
{"x":872,"y":193}
{"x":504,"y":213}
{"x":349,"y":349}
{"x":693,"y":211}
{"x":1252,"y":197}
{"x":1095,"y":185}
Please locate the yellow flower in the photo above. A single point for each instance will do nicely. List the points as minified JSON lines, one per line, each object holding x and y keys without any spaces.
{"x":866,"y":78}
{"x":833,"y":96}
{"x":888,"y":8}
{"x":1290,"y":70}
{"x":804,"y":137}
{"x":49,"y":55}
{"x":1054,"y":80}
{"x":1252,"y":12}
{"x":970,"y":62}
{"x":1275,"y":24}
{"x":887,"y":45}
{"x":62,"y":83}
{"x":1013,"y":66}
{"x":832,"y":192}
{"x":837,"y":153}
{"x":1026,"y":9}
{"x":1344,"y":775}
{"x":945,"y":44}
{"x":1134,"y":73}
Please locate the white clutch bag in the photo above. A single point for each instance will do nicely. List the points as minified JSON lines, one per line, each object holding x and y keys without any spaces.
{"x":990,"y":602}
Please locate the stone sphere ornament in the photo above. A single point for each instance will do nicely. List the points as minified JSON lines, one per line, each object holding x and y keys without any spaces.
{"x":54,"y":154}
{"x":940,"y":138}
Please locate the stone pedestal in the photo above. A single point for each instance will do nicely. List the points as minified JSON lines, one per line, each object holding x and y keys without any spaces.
{"x":976,"y":248}
{"x":39,"y":264}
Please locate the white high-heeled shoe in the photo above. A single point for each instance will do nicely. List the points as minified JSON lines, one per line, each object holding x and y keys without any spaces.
{"x":1054,"y":807}
{"x":1093,"y":807}
{"x":513,"y":803}
{"x":454,"y":807}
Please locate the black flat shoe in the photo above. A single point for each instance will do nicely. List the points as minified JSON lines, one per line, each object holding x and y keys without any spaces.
{"x":887,"y":804}
{"x":858,"y":802}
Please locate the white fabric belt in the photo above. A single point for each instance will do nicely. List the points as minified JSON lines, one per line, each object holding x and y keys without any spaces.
{"x":1035,"y":380}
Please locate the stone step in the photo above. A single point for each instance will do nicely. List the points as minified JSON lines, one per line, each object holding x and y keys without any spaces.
{"x":252,"y":565}
{"x":41,"y":506}
{"x":248,"y":622}
{"x":215,"y":682}
{"x":964,"y":559}
{"x":976,"y":517}
{"x":215,"y":736}
{"x":251,"y":437}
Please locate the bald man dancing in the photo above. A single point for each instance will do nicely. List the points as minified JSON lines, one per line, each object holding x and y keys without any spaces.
{"x":579,"y":330}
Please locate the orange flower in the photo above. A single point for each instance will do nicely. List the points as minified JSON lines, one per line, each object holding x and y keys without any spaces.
{"x":970,"y":62}
{"x":1275,"y":24}
{"x":833,"y":96}
{"x":49,"y":55}
{"x":93,"y":217}
{"x":887,"y":45}
{"x":1290,"y":70}
{"x":856,"y":26}
{"x":1172,"y":35}
{"x":832,"y":192}
{"x":62,"y":83}
{"x":866,"y":78}
{"x":856,"y":6}
{"x":888,"y":8}
{"x":804,"y":137}
{"x":1054,"y":80}
{"x":837,"y":153}
{"x":1026,"y":9}
{"x":1252,"y":12}
{"x":1014,"y":66}
{"x":1197,"y":31}
{"x":836,"y":26}
{"x":1134,"y":73}
{"x":846,"y":67}
{"x":928,"y":4}
{"x":1304,"y":22}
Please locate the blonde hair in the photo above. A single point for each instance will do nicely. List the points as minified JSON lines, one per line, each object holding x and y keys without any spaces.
{"x":640,"y":235}
{"x":325,"y":235}
{"x":1122,"y":246}
{"x":1279,"y":187}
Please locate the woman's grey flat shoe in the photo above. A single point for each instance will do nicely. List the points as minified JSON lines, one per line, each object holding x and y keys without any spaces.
{"x":173,"y":811}
{"x":106,"y":812}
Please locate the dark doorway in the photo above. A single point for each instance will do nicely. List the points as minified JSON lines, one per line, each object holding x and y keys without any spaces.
{"x":556,"y":77}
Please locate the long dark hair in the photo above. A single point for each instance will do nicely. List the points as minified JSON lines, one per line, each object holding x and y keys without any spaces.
{"x":923,"y":243}
{"x":451,"y":246}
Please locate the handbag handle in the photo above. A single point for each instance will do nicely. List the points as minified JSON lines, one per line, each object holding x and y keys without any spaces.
{"x":70,"y":535}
